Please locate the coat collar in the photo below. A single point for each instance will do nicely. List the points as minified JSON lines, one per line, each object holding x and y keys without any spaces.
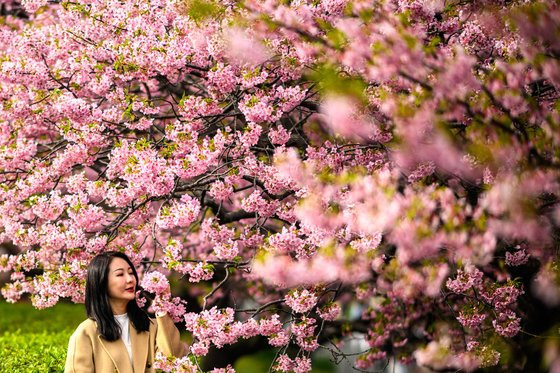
{"x":119,"y":355}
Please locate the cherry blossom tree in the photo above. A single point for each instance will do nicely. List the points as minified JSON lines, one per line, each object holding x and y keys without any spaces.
{"x":286,"y":163}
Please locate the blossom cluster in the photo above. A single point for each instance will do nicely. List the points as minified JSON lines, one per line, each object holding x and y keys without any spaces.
{"x":499,"y":299}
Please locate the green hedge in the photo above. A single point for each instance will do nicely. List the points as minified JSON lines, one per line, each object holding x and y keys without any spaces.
{"x":33,"y":352}
{"x":36,"y":340}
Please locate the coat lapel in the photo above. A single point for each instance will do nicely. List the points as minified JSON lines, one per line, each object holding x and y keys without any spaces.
{"x":118,"y":353}
{"x":140,"y":342}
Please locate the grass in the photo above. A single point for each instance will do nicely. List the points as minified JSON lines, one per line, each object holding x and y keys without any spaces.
{"x":24,"y":318}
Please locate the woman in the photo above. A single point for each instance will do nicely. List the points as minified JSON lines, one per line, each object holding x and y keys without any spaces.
{"x":118,"y":336}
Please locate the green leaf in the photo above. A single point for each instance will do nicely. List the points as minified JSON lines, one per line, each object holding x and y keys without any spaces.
{"x":330,"y":80}
{"x":200,"y":10}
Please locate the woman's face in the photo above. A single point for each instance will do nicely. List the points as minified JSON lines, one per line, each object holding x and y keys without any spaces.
{"x":122,"y":283}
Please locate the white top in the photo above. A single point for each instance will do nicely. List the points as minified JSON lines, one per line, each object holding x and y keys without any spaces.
{"x":125,"y":334}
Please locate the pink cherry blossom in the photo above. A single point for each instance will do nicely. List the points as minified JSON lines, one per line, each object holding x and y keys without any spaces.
{"x":303,"y":171}
{"x":301,"y":301}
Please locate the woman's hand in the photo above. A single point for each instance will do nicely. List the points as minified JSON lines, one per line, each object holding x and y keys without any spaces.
{"x":167,"y":291}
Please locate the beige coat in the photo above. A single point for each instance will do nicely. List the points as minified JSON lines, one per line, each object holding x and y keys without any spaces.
{"x":89,"y":352}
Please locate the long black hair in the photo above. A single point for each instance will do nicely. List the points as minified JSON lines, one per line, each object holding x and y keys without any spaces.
{"x":98,"y":307}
